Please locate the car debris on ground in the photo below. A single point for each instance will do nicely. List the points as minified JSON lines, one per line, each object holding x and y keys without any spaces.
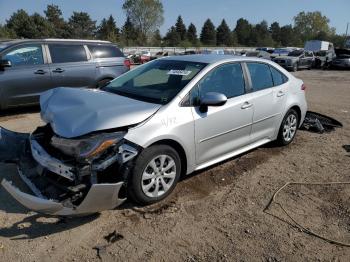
{"x":316,"y":122}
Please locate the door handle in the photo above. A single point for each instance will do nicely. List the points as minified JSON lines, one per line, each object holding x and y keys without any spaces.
{"x":58,"y":70}
{"x":246,"y":105}
{"x":280,"y":94}
{"x":40,"y":72}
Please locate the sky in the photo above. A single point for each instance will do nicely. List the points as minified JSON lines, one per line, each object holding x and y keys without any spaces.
{"x":196,"y":11}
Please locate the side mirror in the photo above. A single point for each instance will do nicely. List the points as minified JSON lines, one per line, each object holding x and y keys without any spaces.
{"x":211,"y":99}
{"x":5,"y":63}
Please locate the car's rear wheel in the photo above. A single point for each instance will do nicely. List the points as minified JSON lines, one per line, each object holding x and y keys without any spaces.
{"x":155,"y":174}
{"x":288,"y":128}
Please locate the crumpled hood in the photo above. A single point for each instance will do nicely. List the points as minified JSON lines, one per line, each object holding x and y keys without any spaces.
{"x":74,"y":112}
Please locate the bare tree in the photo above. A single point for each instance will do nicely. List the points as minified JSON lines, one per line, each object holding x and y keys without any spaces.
{"x":146,"y":15}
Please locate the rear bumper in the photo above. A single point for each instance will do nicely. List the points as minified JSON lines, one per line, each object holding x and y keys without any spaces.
{"x":30,"y":157}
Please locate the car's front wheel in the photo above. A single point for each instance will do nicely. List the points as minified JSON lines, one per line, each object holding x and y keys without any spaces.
{"x":155,"y":174}
{"x":288,"y":128}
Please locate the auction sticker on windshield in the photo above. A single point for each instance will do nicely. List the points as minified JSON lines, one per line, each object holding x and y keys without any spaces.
{"x":179,"y":72}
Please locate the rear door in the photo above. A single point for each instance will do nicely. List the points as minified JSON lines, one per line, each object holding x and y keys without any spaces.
{"x":71,"y":65}
{"x":268,"y":100}
{"x":28,"y":76}
{"x":110,"y":61}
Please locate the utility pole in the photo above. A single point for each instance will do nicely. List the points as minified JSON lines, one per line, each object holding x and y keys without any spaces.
{"x":346,"y":36}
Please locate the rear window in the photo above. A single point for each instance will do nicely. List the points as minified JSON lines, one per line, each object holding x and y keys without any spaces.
{"x":260,"y":75}
{"x":67,"y":53}
{"x":278,"y":77}
{"x":105,"y":51}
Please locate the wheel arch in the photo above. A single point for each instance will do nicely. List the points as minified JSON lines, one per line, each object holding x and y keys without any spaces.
{"x":179,"y":149}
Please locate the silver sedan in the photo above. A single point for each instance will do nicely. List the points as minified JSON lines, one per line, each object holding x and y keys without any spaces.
{"x":137,"y":135}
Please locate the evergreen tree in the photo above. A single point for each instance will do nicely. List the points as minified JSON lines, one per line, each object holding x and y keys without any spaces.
{"x":108,"y":30}
{"x":208,"y":34}
{"x":54,"y":16}
{"x":181,"y":28}
{"x":275,"y":31}
{"x":223,"y":34}
{"x":22,"y":24}
{"x":81,"y":25}
{"x":43,"y":29}
{"x":129,"y":33}
{"x":243,"y":31}
{"x":192,"y":34}
{"x":173,"y":37}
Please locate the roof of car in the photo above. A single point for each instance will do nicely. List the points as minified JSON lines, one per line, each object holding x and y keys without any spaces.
{"x":203,"y":58}
{"x":17,"y":41}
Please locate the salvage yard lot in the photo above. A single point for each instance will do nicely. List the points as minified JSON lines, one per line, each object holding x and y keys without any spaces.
{"x":216,"y":214}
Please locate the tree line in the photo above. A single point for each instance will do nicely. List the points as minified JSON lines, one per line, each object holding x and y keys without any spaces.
{"x":144,"y":17}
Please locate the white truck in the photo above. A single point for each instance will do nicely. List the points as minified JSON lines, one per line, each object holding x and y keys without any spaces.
{"x":323,"y":50}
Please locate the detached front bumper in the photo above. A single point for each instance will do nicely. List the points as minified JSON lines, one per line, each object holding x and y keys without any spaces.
{"x":17,"y":148}
{"x":100,"y":197}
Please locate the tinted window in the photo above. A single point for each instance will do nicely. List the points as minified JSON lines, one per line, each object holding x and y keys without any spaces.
{"x":278,"y":77}
{"x":260,"y":75}
{"x":25,"y":55}
{"x":226,"y":79}
{"x":105,"y":51}
{"x":158,"y":81}
{"x":67,"y":53}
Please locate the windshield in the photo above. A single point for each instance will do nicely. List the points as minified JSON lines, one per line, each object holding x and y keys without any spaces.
{"x":157,"y":82}
{"x":295,"y":53}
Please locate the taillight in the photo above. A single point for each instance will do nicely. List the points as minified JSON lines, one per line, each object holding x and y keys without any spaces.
{"x":127,"y":63}
{"x":303,"y":87}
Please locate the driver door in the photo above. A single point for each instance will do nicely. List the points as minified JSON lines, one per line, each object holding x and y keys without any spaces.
{"x":223,"y":129}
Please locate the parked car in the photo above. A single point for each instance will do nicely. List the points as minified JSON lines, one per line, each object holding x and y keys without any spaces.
{"x":146,"y":128}
{"x":260,"y":54}
{"x":323,"y":50}
{"x":30,"y":67}
{"x":296,"y":60}
{"x":266,"y":49}
{"x":145,"y":57}
{"x":281,"y":52}
{"x":342,"y":60}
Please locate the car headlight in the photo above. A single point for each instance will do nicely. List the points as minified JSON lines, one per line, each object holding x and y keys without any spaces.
{"x":89,"y":147}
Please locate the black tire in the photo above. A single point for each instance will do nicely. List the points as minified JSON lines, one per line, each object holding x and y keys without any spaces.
{"x":281,"y":140}
{"x":134,"y":186}
{"x":102,"y":82}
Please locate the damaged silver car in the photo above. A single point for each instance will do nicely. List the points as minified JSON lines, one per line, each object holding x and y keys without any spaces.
{"x":138,"y":134}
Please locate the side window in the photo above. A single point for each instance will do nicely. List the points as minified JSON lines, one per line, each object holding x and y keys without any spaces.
{"x":260,"y":75}
{"x":61,"y":53}
{"x":278,"y":77}
{"x":105,"y":51}
{"x":25,"y":55}
{"x":227,"y":79}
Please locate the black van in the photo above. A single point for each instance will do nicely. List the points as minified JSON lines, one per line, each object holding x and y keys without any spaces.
{"x":30,"y":67}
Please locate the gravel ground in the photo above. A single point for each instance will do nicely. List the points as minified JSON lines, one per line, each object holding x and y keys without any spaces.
{"x":213,"y":215}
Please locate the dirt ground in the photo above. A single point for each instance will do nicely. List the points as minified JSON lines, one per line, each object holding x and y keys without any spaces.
{"x":213,"y":215}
